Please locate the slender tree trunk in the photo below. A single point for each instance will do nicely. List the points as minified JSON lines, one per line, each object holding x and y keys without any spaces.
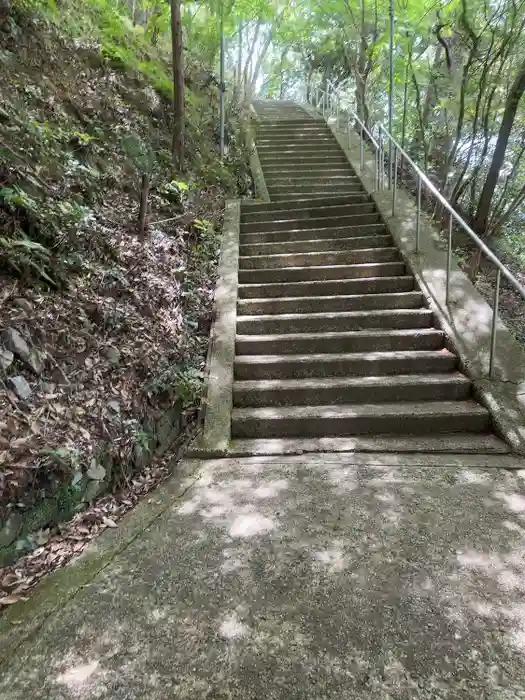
{"x":517,"y":89}
{"x":259,"y":61}
{"x":143,"y":210}
{"x":178,"y":86}
{"x":248,"y":64}
{"x":239,"y":57}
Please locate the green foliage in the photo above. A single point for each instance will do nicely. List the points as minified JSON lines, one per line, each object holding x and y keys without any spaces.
{"x":183,"y":382}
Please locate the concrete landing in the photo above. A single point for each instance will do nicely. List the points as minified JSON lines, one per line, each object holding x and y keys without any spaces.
{"x":289,"y":578}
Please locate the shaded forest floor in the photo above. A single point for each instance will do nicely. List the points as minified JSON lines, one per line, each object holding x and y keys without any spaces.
{"x":103,"y":335}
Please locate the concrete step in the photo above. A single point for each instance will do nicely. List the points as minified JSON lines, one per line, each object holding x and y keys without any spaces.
{"x":264,"y":129}
{"x":314,"y":233}
{"x":306,"y":169}
{"x":349,"y":390}
{"x":359,"y":203}
{"x":448,"y":449}
{"x":343,"y":364}
{"x":276,"y":151}
{"x":305,"y":211}
{"x":292,"y":160}
{"x":356,"y":217}
{"x":333,"y":257}
{"x":366,"y":285}
{"x":321,"y":272}
{"x":329,"y":304}
{"x":301,"y":180}
{"x":340,"y":342}
{"x":315,"y":245}
{"x":273,"y":127}
{"x":335,"y":321}
{"x":315,"y":139}
{"x":250,"y":205}
{"x":279,"y":194}
{"x":288,"y":135}
{"x":410,"y":418}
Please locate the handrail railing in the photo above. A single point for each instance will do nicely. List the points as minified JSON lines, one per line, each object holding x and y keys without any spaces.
{"x":327,"y":100}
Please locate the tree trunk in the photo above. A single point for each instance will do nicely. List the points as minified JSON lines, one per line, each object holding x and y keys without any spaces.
{"x":178,"y":86}
{"x":143,"y":210}
{"x":239,"y":57}
{"x":517,"y":89}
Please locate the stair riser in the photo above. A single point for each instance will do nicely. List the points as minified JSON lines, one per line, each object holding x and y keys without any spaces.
{"x":353,"y":220}
{"x":285,"y":131}
{"x":314,"y":181}
{"x":249,"y":307}
{"x":320,"y":147}
{"x":358,"y":395}
{"x":343,"y":367}
{"x":305,"y":171}
{"x":358,"y":425}
{"x":361,"y":204}
{"x":320,"y":141}
{"x":342,"y":257}
{"x":316,"y":246}
{"x":305,"y":274}
{"x":328,"y":288}
{"x":250,"y":206}
{"x":288,"y":195}
{"x":303,"y":162}
{"x":432,"y":340}
{"x":310,"y":234}
{"x":307,"y":324}
{"x":281,"y":193}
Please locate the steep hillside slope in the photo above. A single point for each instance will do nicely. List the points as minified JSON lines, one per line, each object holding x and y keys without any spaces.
{"x":103,"y":334}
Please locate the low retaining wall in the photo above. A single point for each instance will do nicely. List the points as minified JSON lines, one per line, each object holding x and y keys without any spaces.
{"x":59,"y":502}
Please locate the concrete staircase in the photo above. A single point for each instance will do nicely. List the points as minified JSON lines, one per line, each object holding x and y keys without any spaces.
{"x":335,"y":346}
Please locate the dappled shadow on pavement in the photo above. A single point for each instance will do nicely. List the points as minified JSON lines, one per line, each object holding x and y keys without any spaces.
{"x":303,"y":578}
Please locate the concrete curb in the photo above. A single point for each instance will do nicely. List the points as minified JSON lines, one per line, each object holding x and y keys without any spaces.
{"x":467,"y":319}
{"x":218,"y":403}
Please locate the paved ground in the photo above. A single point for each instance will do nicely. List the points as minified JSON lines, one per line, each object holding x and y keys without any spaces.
{"x":291,"y":579}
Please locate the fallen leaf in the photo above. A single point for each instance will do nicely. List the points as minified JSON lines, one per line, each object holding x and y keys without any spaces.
{"x":9,"y":580}
{"x":108,"y":522}
{"x":11,"y":599}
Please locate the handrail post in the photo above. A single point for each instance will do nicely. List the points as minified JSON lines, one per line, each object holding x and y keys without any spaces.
{"x":337,"y":108}
{"x":349,"y":133}
{"x":493,"y":330}
{"x":362,"y":149}
{"x":394,"y":183}
{"x":418,"y":215}
{"x":449,"y":260}
{"x":376,"y":158}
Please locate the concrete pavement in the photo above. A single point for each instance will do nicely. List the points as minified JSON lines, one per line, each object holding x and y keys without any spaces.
{"x":326,"y":576}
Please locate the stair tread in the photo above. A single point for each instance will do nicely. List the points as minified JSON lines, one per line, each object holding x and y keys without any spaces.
{"x":325,"y":298}
{"x":327,"y":241}
{"x":317,"y":253}
{"x":328,"y":357}
{"x":247,"y":204}
{"x":434,"y":408}
{"x":336,"y":314}
{"x":341,"y":280}
{"x":336,"y":382}
{"x":378,"y":227}
{"x":369,"y":285}
{"x":321,"y":213}
{"x":368,"y":333}
{"x":453,"y":443}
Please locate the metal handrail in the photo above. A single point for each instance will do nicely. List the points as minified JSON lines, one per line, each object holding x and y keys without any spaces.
{"x":327,"y":101}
